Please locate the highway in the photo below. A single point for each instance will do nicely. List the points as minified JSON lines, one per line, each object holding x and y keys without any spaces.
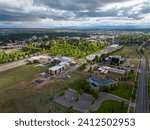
{"x":142,"y":93}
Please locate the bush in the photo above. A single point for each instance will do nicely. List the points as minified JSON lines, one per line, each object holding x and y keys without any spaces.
{"x":83,"y":66}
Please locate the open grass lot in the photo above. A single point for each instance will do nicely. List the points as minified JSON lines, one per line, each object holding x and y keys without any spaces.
{"x":147,"y":53}
{"x":111,"y":106}
{"x":23,"y":96}
{"x":122,"y":90}
{"x":129,"y":51}
{"x":14,"y":76}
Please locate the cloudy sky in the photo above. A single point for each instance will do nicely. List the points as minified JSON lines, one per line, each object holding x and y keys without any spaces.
{"x":81,"y":13}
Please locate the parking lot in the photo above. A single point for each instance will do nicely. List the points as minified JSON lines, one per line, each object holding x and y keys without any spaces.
{"x":68,"y":99}
{"x":79,"y":102}
{"x":84,"y":103}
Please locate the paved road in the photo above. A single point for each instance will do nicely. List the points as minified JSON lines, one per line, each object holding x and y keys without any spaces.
{"x":11,"y":65}
{"x":142,"y":94}
{"x":107,"y":96}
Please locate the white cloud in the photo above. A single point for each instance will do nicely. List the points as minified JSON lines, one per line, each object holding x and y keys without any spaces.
{"x":15,"y":13}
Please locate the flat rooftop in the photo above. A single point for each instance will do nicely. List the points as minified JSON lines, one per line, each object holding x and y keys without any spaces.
{"x":114,"y":46}
{"x":105,"y":69}
{"x":64,"y":58}
{"x":101,"y":82}
{"x":57,"y":67}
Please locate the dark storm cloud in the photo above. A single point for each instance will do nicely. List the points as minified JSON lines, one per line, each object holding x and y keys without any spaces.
{"x":76,"y":5}
{"x":16,"y":16}
{"x":145,"y":7}
{"x":65,"y":10}
{"x":20,"y":16}
{"x":94,"y":13}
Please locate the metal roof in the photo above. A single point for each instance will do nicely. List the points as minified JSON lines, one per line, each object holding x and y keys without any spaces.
{"x":64,"y":58}
{"x":101,"y":82}
{"x":57,"y":67}
{"x":107,"y":68}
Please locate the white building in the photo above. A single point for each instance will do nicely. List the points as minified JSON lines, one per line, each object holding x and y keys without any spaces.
{"x":40,"y":59}
{"x":61,"y":67}
{"x":114,"y":46}
{"x":64,"y":59}
{"x":106,"y":69}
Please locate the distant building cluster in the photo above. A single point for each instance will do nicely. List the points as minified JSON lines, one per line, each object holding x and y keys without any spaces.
{"x":22,"y":44}
{"x":101,"y":38}
{"x":60,"y":63}
{"x":35,"y":38}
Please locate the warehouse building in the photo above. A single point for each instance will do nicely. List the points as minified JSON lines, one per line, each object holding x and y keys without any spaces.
{"x":107,"y":69}
{"x":60,"y":68}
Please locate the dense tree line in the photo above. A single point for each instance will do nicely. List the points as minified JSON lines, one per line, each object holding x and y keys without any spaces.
{"x":56,"y":47}
{"x":132,"y":38}
{"x":26,"y":35}
{"x":78,"y":49}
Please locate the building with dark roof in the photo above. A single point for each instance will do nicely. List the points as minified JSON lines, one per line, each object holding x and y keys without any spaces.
{"x":115,"y":59}
{"x":98,"y":83}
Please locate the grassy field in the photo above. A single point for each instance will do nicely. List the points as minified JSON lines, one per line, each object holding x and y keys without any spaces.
{"x":130,"y":51}
{"x":122,"y":90}
{"x":13,"y":77}
{"x":111,"y":106}
{"x":17,"y":94}
{"x":24,"y":97}
{"x":147,"y":52}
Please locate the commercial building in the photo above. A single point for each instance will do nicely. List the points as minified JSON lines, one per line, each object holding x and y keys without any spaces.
{"x":114,"y":46}
{"x":39,"y":59}
{"x":64,"y":59}
{"x":98,"y":83}
{"x":61,"y":67}
{"x":115,"y":59}
{"x":107,"y":69}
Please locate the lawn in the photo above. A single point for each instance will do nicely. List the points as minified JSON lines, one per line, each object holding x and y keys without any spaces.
{"x":122,"y":90}
{"x":111,"y":106}
{"x":57,"y":108}
{"x":14,"y":76}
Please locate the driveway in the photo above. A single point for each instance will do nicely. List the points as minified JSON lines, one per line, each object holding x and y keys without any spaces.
{"x":107,"y":96}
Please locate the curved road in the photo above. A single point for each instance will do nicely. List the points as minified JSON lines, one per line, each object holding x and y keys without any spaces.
{"x":142,"y":94}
